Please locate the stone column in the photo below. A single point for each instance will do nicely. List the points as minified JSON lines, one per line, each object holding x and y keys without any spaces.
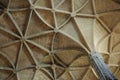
{"x":100,"y":67}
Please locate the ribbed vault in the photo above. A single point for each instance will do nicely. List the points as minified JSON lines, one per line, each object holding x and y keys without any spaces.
{"x":51,"y":39}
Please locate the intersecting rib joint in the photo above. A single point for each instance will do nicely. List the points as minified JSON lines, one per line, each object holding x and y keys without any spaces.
{"x":32,"y":7}
{"x":56,"y":30}
{"x":67,"y":69}
{"x":14,"y":71}
{"x":38,"y":67}
{"x":22,"y":39}
{"x":73,"y":14}
{"x":53,"y":66}
{"x":53,"y":10}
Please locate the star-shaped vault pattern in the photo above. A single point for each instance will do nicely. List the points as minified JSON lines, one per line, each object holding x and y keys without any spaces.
{"x":51,"y":39}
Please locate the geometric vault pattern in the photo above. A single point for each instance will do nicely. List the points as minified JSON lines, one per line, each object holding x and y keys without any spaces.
{"x":50,"y":39}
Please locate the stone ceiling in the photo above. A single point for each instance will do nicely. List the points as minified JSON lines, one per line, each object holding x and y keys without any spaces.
{"x":51,"y":39}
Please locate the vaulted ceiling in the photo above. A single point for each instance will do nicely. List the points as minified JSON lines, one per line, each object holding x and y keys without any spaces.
{"x":51,"y":39}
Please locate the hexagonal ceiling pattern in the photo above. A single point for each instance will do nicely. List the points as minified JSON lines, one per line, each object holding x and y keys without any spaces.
{"x":51,"y":39}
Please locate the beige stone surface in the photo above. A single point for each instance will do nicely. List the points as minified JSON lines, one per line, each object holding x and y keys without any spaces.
{"x":51,"y":39}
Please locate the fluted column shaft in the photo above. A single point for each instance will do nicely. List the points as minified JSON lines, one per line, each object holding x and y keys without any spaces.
{"x":100,"y":67}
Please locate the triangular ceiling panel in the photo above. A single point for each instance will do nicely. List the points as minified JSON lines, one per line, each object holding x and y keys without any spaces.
{"x":78,"y":4}
{"x":86,"y":26}
{"x":21,"y":18}
{"x":7,"y":24}
{"x":65,"y":6}
{"x":110,"y":19}
{"x":100,"y":31}
{"x":87,"y":9}
{"x":11,"y":51}
{"x":62,"y":18}
{"x":43,"y":40}
{"x":105,"y":5}
{"x":51,"y":39}
{"x":25,"y":74}
{"x":24,"y":60}
{"x":43,"y":3}
{"x":60,"y":38}
{"x":42,"y":77}
{"x":20,"y":4}
{"x":46,"y":16}
{"x":36,"y":26}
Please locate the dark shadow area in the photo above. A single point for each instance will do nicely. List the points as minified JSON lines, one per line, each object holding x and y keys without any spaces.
{"x":117,"y":1}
